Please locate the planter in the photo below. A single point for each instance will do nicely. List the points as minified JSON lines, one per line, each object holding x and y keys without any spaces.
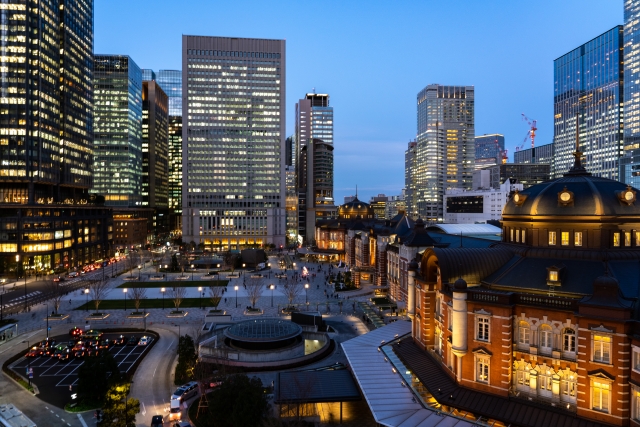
{"x":130,"y":279}
{"x":97,"y":316}
{"x":137,"y":315}
{"x":156,"y":278}
{"x":177,"y":313}
{"x":218,"y":312}
{"x":182,"y":278}
{"x":57,"y":317}
{"x":289,"y":310}
{"x":253,"y":312}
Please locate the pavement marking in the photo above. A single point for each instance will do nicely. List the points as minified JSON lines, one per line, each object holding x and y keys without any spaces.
{"x":82,"y":421}
{"x":144,"y":410}
{"x":154,"y":371}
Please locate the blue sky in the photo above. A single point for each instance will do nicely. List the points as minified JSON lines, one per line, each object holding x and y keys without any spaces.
{"x":373,"y":57}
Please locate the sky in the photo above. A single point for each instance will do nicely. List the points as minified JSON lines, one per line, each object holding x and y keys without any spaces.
{"x":373,"y":57}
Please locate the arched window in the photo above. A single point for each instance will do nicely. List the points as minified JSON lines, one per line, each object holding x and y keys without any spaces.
{"x":545,"y":382}
{"x":524,"y":333}
{"x":545,"y":338}
{"x":569,"y":340}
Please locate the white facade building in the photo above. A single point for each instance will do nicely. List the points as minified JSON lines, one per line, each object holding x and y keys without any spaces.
{"x":477,"y":206}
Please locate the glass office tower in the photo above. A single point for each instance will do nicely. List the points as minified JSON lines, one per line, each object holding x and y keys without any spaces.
{"x":48,"y":221}
{"x":233,"y":139}
{"x":155,"y":150}
{"x":118,"y":130}
{"x":588,"y":88}
{"x":489,"y":146}
{"x":445,"y":148}
{"x":632,"y":75}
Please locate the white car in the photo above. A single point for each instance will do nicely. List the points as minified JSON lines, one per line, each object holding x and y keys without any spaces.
{"x":144,"y":341}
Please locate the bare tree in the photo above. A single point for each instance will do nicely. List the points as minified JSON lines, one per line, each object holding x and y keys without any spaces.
{"x":98,"y":289}
{"x":137,"y":295}
{"x":56,"y":292}
{"x":177,"y":294}
{"x":133,"y":260}
{"x":292,"y":289}
{"x":254,"y":290}
{"x":215,"y":293}
{"x":157,"y":260}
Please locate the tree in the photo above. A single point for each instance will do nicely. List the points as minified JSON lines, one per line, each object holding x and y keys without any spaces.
{"x":239,"y":401}
{"x":215,"y":294}
{"x":56,"y":292}
{"x":187,"y":358}
{"x":98,"y":289}
{"x":254,"y":290}
{"x":175,"y":264}
{"x":177,"y":294}
{"x":132,"y":261}
{"x":231,"y":260}
{"x":96,"y":375}
{"x":157,"y":260}
{"x":118,"y":410}
{"x":291,"y":289}
{"x":137,"y":295}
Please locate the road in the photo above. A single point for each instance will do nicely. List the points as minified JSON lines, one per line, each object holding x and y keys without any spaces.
{"x":153,"y":380}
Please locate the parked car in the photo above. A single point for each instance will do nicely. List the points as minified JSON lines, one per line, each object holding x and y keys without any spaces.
{"x":76,"y":332}
{"x":73,"y":274}
{"x":144,"y":340}
{"x":92,"y":333}
{"x":58,"y":279}
{"x":35,"y":351}
{"x":185,"y":392}
{"x":132,"y":340}
{"x":79,"y":349}
{"x":104,"y":344}
{"x":93,"y":351}
{"x":157,"y":421}
{"x":121,"y":340}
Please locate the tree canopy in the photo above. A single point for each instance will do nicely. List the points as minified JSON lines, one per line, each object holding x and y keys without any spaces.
{"x":238,"y":401}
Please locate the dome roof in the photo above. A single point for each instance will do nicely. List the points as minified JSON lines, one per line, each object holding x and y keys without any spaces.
{"x":575,"y":195}
{"x":355,"y":209}
{"x":263,"y":330}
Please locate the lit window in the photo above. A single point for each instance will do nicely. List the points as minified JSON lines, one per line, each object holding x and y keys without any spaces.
{"x":545,"y":381}
{"x":524,"y":333}
{"x":546,"y":338}
{"x":518,"y":236}
{"x":602,"y":348}
{"x":482,"y":369}
{"x":483,"y":328}
{"x":616,"y":239}
{"x":565,"y":238}
{"x":511,"y":234}
{"x":569,"y":340}
{"x":636,"y":359}
{"x":636,"y":404}
{"x":553,"y":276}
{"x":600,"y":396}
{"x":577,"y":237}
{"x":627,"y":238}
{"x":552,"y":238}
{"x":524,"y":233}
{"x":637,"y":238}
{"x":568,"y":386}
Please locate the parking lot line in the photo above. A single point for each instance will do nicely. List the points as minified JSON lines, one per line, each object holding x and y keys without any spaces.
{"x":65,"y":377}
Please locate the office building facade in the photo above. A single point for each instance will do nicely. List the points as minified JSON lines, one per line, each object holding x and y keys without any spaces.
{"x":118,"y":130}
{"x":489,"y":148}
{"x":588,"y":95}
{"x":477,"y":206}
{"x":542,"y":154}
{"x":49,"y":221}
{"x":631,"y":49}
{"x":525,"y":174}
{"x":233,"y":161}
{"x":444,"y":151}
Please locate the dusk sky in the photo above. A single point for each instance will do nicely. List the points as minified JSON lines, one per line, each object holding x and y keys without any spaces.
{"x":373,"y":57}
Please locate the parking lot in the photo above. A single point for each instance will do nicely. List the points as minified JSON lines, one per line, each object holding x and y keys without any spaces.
{"x":53,"y":377}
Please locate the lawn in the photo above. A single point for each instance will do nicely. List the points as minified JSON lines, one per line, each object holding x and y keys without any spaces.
{"x":175,"y":283}
{"x":118,"y":304}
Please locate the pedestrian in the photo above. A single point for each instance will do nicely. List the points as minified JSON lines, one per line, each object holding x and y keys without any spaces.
{"x":225,"y":300}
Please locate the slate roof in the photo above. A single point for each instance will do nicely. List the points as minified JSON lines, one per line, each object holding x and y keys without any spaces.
{"x":509,"y":411}
{"x":472,"y":264}
{"x":316,"y":386}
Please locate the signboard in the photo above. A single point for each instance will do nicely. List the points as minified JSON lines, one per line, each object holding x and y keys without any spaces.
{"x":30,"y":372}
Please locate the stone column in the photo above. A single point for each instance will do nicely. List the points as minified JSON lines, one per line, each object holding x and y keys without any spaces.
{"x":459,"y":327}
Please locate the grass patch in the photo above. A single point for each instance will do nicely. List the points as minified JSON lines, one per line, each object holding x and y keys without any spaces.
{"x":76,"y":407}
{"x":113,"y":304}
{"x":171,"y":284}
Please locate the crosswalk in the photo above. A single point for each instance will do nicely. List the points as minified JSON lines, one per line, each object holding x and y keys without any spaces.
{"x":21,"y":299}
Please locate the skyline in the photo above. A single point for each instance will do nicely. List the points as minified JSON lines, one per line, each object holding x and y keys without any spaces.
{"x":362,"y":51}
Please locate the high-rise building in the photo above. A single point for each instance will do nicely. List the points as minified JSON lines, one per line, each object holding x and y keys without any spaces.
{"x":489,"y":149}
{"x":155,"y":128}
{"x":148,"y":74}
{"x":171,"y":83}
{"x":589,"y":94}
{"x":118,"y":130}
{"x":444,"y":151}
{"x":542,"y":154}
{"x":525,"y":174}
{"x":631,"y":49}
{"x":409,"y":169}
{"x":314,"y":125}
{"x":48,"y":220}
{"x":233,"y":160}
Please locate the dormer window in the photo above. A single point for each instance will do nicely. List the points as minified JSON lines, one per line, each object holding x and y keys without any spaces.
{"x":554,"y":275}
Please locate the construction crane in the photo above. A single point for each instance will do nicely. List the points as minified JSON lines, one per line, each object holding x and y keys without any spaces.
{"x":502,"y":154}
{"x":532,"y":130}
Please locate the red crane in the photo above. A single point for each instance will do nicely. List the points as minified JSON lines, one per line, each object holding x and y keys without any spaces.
{"x":502,"y":154}
{"x":532,"y":130}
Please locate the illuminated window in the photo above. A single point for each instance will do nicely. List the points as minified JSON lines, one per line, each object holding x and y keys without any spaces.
{"x":600,"y":396}
{"x":553,"y":275}
{"x":524,"y":233}
{"x":635,"y":407}
{"x":568,"y":386}
{"x":518,"y":236}
{"x":524,"y":333}
{"x":552,"y":238}
{"x":511,"y":234}
{"x":616,"y":239}
{"x":482,"y":369}
{"x":636,"y":359}
{"x":627,"y":238}
{"x":637,"y":238}
{"x":602,"y":348}
{"x":565,"y":238}
{"x":569,"y":340}
{"x":546,"y":338}
{"x":578,"y":238}
{"x":483,"y":328}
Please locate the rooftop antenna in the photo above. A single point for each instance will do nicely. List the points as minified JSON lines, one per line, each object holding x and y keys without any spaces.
{"x":356,"y":191}
{"x":313,"y":90}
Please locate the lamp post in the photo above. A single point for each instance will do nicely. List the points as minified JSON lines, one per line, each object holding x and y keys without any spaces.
{"x":306,"y":295}
{"x":271,"y":287}
{"x":139,"y":271}
{"x":191,"y":272}
{"x":29,"y":362}
{"x":163,"y":290}
{"x":124,"y":291}
{"x":236,"y":288}
{"x":86,"y":292}
{"x":47,"y":304}
{"x":200,"y":295}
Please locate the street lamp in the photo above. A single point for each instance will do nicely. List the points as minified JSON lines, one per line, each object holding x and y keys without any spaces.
{"x":86,"y":292}
{"x":191,"y":271}
{"x":306,"y":295}
{"x":271,"y":287}
{"x":29,"y":367}
{"x":236,"y":288}
{"x":139,"y":271}
{"x":200,"y":295}
{"x":47,"y":304}
{"x":163,"y":290}
{"x":124,"y":291}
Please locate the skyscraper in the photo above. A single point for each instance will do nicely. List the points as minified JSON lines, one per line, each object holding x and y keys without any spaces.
{"x":314,"y":125}
{"x":118,"y":130}
{"x":588,"y":88}
{"x":490,"y":147}
{"x":47,"y":218}
{"x":542,"y":154}
{"x":631,"y":49}
{"x":445,"y":148}
{"x":233,"y":136}
{"x":155,"y":127}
